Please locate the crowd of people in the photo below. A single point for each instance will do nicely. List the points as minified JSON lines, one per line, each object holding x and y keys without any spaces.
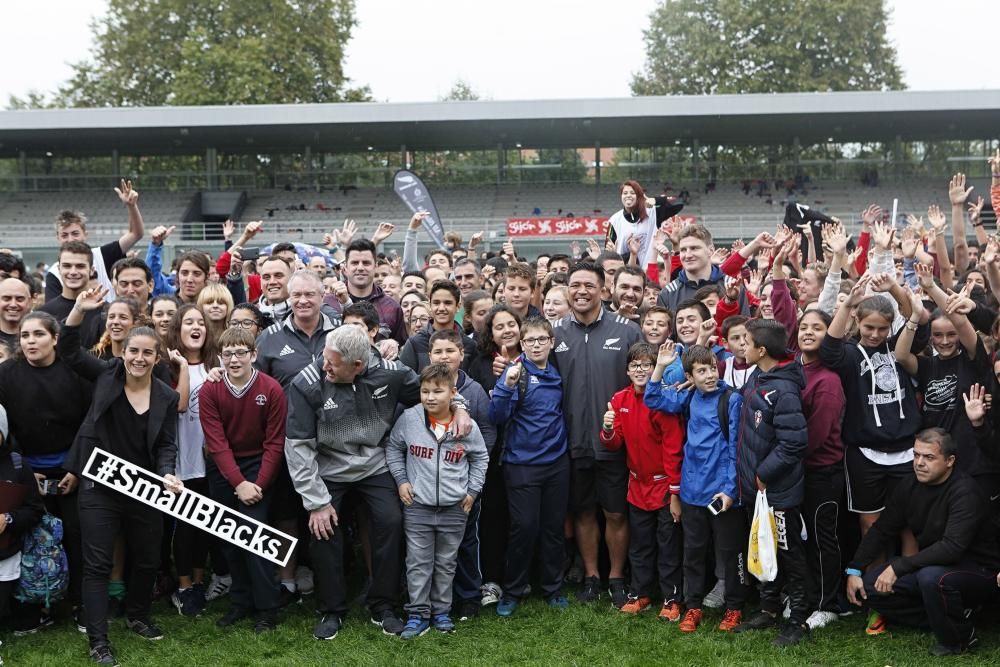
{"x":456,"y":432}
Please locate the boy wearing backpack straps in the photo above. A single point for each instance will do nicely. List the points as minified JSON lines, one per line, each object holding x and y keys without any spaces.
{"x":653,"y":442}
{"x":708,"y":475}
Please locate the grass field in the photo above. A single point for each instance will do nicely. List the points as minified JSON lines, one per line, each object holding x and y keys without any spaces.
{"x":581,"y":635}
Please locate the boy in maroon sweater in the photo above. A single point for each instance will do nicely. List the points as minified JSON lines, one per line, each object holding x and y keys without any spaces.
{"x":244,"y":422}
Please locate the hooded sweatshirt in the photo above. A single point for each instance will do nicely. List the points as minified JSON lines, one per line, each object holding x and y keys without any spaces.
{"x":823,"y":405}
{"x":442,"y":471}
{"x":535,"y":431}
{"x":881,"y":410}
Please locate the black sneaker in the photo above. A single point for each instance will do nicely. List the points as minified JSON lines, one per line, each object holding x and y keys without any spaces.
{"x":33,"y":624}
{"x":943,"y":650}
{"x":287,"y":597}
{"x":591,"y":590}
{"x":102,"y":655}
{"x":790,"y":635}
{"x":328,"y":627}
{"x":234,"y":615}
{"x":266,"y":621}
{"x":144,"y":628}
{"x":759,"y":621}
{"x":618,"y":592}
{"x":468,"y":609}
{"x":388,"y":621}
{"x":199,"y":596}
{"x":186,"y":602}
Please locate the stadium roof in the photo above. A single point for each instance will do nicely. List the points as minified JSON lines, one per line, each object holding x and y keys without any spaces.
{"x":643,"y":121}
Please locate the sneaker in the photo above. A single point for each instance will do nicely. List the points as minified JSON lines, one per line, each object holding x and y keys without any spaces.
{"x":491,"y":593}
{"x":186,"y":602}
{"x":634,"y":604}
{"x":388,"y":621}
{"x":671,"y":611}
{"x":506,"y":607}
{"x":468,"y":609}
{"x":81,"y":625}
{"x":760,"y":621}
{"x":618,"y":592}
{"x":942,"y":650}
{"x":233,"y":616}
{"x":328,"y":627}
{"x":34,"y":624}
{"x":287,"y":597}
{"x":558,"y":601}
{"x":730,"y":620}
{"x":144,"y":628}
{"x":218,"y":586}
{"x":265,"y":621}
{"x":200,"y":596}
{"x":442,"y":623}
{"x":102,"y":655}
{"x":415,"y":627}
{"x":716,"y":597}
{"x":820,"y":619}
{"x":591,"y":590}
{"x":691,"y":621}
{"x":304,"y":580}
{"x":876,"y":624}
{"x":790,"y":635}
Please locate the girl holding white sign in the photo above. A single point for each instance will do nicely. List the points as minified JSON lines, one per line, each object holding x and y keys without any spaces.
{"x":134,"y":416}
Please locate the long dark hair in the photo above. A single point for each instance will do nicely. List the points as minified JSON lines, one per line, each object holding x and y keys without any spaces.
{"x":486,"y":345}
{"x":139,"y":319}
{"x":640,"y":199}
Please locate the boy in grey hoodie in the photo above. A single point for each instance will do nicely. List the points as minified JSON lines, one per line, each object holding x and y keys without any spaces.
{"x":439,"y":477}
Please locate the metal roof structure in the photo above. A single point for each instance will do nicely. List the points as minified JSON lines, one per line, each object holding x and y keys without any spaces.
{"x":641,"y":121}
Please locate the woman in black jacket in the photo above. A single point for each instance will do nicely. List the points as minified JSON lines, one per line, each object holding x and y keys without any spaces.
{"x":133,"y":416}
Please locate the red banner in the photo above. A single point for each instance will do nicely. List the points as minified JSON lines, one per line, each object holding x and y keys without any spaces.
{"x":556,"y":226}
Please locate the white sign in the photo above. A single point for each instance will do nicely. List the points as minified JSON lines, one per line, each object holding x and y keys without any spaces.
{"x":193,"y":508}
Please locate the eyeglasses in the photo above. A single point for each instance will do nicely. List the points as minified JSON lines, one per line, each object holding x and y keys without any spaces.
{"x":242,"y":324}
{"x":239,"y":354}
{"x":420,"y":320}
{"x":536,"y":341}
{"x":640,"y":365}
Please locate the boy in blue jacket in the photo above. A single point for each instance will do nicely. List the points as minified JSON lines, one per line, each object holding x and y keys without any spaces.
{"x":528,"y":400}
{"x":773,"y":439}
{"x":708,"y":475}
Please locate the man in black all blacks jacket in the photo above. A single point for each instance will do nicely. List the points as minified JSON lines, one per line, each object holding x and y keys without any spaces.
{"x":769,"y":457}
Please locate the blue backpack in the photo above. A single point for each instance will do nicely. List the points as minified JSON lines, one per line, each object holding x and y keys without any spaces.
{"x":44,"y":568}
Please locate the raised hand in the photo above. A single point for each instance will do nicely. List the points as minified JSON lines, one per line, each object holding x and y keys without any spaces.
{"x":127,"y":194}
{"x":956,"y":190}
{"x":574,"y":249}
{"x":732,"y":288}
{"x":992,"y":254}
{"x":976,"y":211}
{"x":936,"y":218}
{"x":959,"y":303}
{"x":666,"y":354}
{"x":160,"y":234}
{"x":706,"y":331}
{"x":418,"y":219}
{"x":910,"y":243}
{"x":91,"y":299}
{"x":382,"y":232}
{"x":176,"y":357}
{"x":871,"y":214}
{"x":857,"y":294}
{"x":755,"y":281}
{"x":834,"y":239}
{"x":738,"y":245}
{"x":346,"y":233}
{"x":975,"y":404}
{"x":882,"y":234}
{"x":673,"y":230}
{"x":916,"y":304}
{"x":508,"y":251}
{"x":719,"y":255}
{"x":593,"y":248}
{"x":609,"y":419}
{"x":228,"y":227}
{"x":925,"y":276}
{"x":635,"y":245}
{"x":513,"y":375}
{"x":475,"y":239}
{"x":882,"y":282}
{"x":503,"y":360}
{"x":252,"y":229}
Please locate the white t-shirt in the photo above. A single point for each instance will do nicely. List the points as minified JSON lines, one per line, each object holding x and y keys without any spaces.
{"x":623,"y":230}
{"x":10,"y":567}
{"x":190,"y":436}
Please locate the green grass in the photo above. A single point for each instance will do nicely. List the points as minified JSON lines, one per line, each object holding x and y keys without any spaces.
{"x":582,"y":635}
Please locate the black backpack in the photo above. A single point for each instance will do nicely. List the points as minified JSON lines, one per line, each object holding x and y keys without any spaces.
{"x":722,"y":407}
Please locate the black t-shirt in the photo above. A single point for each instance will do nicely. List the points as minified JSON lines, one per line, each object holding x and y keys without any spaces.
{"x":128,"y":432}
{"x":60,"y":308}
{"x":12,"y":340}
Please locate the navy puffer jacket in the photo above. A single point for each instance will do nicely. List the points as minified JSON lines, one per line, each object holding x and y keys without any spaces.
{"x":773,"y":436}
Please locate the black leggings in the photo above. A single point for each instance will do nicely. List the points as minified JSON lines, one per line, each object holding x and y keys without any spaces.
{"x":190,"y":543}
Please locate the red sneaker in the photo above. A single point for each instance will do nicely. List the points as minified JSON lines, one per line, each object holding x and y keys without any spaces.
{"x":671,"y":611}
{"x":692,"y":619}
{"x":730,"y":620}
{"x":635,"y":605}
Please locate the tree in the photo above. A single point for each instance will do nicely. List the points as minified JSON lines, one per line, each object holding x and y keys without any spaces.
{"x":461,"y":91}
{"x":202,"y":52}
{"x":701,"y":47}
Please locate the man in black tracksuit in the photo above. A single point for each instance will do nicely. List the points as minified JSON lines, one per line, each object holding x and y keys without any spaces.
{"x":769,"y":456}
{"x":956,"y":567}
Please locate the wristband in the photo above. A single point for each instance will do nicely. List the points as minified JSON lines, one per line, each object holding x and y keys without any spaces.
{"x":852,"y":572}
{"x":910,"y":326}
{"x":977,"y":224}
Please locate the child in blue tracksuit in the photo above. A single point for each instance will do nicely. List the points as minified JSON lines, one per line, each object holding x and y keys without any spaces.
{"x":708,"y":474}
{"x":527,"y":400}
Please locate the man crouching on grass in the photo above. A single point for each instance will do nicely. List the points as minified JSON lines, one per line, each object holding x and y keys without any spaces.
{"x":244,"y":422}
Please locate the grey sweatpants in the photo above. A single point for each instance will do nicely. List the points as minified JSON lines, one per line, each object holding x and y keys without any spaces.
{"x":433,"y":535}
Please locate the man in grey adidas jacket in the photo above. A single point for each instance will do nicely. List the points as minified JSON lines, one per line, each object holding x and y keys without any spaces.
{"x":591,"y":353}
{"x":340,"y":410}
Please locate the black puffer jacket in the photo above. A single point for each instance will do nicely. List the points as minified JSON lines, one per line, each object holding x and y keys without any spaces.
{"x":773,"y":436}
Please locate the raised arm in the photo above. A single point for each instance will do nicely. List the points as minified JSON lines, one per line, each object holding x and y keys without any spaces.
{"x":835,"y":244}
{"x":410,"y":260}
{"x":904,"y":342}
{"x":938,"y":222}
{"x":841,"y":319}
{"x":130,"y":197}
{"x":82,"y":362}
{"x":958,"y":195}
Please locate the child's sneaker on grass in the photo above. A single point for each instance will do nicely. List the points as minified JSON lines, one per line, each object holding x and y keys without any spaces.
{"x":820,"y":619}
{"x":716,"y":597}
{"x":218,"y":586}
{"x":442,"y":623}
{"x":558,"y":601}
{"x":671,"y":611}
{"x":790,"y":635}
{"x":506,"y":607}
{"x":730,"y":620}
{"x":760,"y":621}
{"x":415,"y":627}
{"x":691,"y":621}
{"x":102,"y":655}
{"x":618,"y":592}
{"x":591,"y":590}
{"x":634,"y":604}
{"x":491,"y":593}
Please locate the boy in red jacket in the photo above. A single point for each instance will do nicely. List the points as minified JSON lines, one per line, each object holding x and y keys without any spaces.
{"x":653,"y":443}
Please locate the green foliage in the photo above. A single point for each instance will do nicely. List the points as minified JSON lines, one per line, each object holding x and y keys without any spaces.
{"x":461,"y":91}
{"x":216,"y":52}
{"x":701,"y":47}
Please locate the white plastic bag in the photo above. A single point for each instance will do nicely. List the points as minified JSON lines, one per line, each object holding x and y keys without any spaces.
{"x":762,"y":561}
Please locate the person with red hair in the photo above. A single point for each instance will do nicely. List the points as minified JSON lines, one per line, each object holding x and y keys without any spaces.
{"x":639,"y":218}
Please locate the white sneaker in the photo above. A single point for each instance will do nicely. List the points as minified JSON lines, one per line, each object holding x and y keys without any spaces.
{"x":820,"y":619}
{"x":716,"y":597}
{"x":304,"y":580}
{"x":218,"y":586}
{"x":491,"y":593}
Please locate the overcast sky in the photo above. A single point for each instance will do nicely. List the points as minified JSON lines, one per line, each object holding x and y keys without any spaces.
{"x":414,"y":50}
